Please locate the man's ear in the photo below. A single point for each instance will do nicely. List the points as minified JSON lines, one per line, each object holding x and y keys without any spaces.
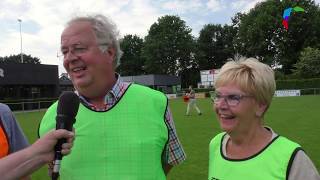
{"x":111,"y":52}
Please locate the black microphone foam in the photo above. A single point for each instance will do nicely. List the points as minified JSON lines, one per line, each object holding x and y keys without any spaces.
{"x":68,"y":104}
{"x":67,"y":110}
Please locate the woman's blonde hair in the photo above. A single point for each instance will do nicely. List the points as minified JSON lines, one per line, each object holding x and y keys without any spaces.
{"x":252,"y":76}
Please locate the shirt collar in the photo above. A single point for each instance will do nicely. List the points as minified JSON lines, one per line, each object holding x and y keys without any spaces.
{"x":114,"y":93}
{"x":116,"y":89}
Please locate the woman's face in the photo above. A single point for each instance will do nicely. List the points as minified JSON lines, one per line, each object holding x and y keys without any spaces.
{"x":236,"y":110}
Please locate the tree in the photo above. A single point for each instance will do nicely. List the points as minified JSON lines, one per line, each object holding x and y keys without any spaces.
{"x":238,"y":46}
{"x":308,"y":65}
{"x":214,"y":46}
{"x":261,"y":33}
{"x":28,"y":59}
{"x":258,"y":29}
{"x":132,"y":63}
{"x":169,"y":47}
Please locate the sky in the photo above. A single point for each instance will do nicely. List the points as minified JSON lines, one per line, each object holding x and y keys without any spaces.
{"x":42,"y":21}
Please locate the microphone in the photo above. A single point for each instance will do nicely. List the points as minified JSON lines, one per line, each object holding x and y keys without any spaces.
{"x":67,"y":110}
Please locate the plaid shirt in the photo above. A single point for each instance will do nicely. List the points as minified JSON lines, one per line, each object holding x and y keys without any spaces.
{"x":173,"y":153}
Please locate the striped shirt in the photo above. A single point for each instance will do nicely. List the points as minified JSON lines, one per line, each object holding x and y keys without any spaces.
{"x":174,"y":153}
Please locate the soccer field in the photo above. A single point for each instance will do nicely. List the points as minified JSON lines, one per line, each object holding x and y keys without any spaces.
{"x":296,"y":118}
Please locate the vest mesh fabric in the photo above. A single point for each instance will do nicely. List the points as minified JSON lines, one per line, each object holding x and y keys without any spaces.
{"x":270,"y":163}
{"x":125,"y":142}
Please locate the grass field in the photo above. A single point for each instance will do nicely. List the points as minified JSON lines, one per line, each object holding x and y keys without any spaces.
{"x":297,"y":118}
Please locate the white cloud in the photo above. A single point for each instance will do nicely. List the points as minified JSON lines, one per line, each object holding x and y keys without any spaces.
{"x":215,"y":5}
{"x":244,"y":5}
{"x":43,"y":20}
{"x":181,"y":7}
{"x":137,"y":18}
{"x":50,"y":17}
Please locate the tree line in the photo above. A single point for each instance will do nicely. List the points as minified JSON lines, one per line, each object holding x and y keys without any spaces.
{"x":17,"y":59}
{"x":170,"y":48}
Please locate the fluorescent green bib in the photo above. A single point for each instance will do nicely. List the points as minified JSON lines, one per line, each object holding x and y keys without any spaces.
{"x":123,"y":143}
{"x":271,"y":163}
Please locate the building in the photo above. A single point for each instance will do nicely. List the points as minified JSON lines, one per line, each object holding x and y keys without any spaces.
{"x":165,"y":83}
{"x":65,"y":83}
{"x":28,"y":81}
{"x":34,"y":86}
{"x":208,"y":77}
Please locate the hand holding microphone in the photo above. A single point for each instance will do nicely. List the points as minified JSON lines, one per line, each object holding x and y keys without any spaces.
{"x":67,"y":110}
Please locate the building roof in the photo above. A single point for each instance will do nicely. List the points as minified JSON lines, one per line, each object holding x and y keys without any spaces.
{"x":65,"y":81}
{"x":154,"y":80}
{"x":28,"y":74}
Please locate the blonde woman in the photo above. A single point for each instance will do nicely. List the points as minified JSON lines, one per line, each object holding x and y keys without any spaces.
{"x":247,"y":149}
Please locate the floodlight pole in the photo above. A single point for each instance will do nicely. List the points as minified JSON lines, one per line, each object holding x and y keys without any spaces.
{"x":20,"y":41}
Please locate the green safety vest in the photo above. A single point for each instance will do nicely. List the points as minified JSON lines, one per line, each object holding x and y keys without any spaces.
{"x":271,"y":163}
{"x":124,"y":143}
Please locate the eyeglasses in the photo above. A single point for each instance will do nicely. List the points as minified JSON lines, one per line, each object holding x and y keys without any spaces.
{"x":231,"y":99}
{"x":78,"y":50}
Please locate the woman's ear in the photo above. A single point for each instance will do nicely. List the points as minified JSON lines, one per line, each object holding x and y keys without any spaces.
{"x":261,"y":109}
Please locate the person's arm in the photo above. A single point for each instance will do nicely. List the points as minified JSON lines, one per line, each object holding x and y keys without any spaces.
{"x":16,"y":138}
{"x":26,"y":178}
{"x":166,"y":168}
{"x":302,"y":168}
{"x":173,"y":153}
{"x":26,"y":161}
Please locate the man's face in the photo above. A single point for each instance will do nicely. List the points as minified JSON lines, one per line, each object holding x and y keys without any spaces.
{"x":86,"y":64}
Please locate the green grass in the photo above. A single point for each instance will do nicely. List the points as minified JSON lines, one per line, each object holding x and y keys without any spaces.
{"x":297,"y":118}
{"x":29,"y":123}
